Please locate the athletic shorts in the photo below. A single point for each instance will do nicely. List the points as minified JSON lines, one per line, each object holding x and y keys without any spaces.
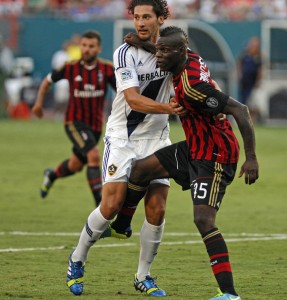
{"x":83,"y":138}
{"x":120,"y":153}
{"x":206,"y":179}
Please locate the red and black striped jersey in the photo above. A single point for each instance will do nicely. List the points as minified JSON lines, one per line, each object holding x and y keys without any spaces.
{"x":207,"y":138}
{"x":88,"y":89}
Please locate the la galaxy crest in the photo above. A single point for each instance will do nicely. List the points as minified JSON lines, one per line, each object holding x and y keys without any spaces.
{"x":112,"y":169}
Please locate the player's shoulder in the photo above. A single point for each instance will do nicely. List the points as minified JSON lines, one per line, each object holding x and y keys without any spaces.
{"x":124,"y":48}
{"x":105,"y":61}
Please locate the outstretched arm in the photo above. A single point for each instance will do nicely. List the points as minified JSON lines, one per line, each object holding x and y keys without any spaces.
{"x":243,"y":119}
{"x":37,"y":109}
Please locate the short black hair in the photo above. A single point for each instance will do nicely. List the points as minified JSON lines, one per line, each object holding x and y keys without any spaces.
{"x":92,"y":34}
{"x":160,"y":7}
{"x":170,"y":30}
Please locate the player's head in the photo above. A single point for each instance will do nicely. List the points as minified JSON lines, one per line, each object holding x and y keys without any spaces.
{"x":149,"y":15}
{"x":171,"y":49}
{"x":90,"y":45}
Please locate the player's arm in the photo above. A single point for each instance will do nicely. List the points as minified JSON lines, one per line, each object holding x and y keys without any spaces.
{"x":146,"y":105}
{"x":45,"y":86}
{"x":241,"y":114}
{"x":134,"y":40}
{"x":37,"y":109}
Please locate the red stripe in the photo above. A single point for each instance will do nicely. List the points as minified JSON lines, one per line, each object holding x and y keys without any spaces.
{"x":221,"y":267}
{"x":207,"y":242}
{"x":218,"y":255}
{"x":128,"y":211}
{"x":93,"y":181}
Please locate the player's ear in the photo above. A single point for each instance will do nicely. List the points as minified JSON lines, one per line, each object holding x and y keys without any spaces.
{"x":160,"y":20}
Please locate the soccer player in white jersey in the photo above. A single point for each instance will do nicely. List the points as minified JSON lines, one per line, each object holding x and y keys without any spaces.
{"x":137,"y":127}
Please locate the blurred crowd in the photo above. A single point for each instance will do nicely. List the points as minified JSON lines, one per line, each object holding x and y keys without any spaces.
{"x":209,"y":10}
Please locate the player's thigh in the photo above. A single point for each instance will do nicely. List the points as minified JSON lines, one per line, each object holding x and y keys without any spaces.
{"x":117,"y":160}
{"x":208,"y":181}
{"x":147,"y":147}
{"x":82,"y":137}
{"x":174,"y":159}
{"x":147,"y":169}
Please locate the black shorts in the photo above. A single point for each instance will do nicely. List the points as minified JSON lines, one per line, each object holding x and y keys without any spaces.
{"x":206,"y":179}
{"x":82,"y":137}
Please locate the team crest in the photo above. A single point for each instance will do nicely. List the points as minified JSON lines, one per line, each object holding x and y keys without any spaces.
{"x":212,"y":102}
{"x":100,"y":76}
{"x":112,"y":169}
{"x":126,"y":74}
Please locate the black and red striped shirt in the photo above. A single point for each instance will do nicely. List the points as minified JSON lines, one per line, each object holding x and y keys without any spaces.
{"x":88,"y":89}
{"x":208,"y":139}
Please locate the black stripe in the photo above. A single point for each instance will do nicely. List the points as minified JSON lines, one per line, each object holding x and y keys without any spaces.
{"x":135,"y":117}
{"x":122,"y":55}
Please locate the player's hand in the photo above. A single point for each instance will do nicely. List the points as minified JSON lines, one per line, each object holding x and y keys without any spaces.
{"x":134,"y":40}
{"x":37,"y":110}
{"x":251,"y":170}
{"x":177,"y":108}
{"x":220,"y":117}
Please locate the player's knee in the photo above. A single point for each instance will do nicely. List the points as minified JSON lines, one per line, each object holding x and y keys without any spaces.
{"x":203,"y":223}
{"x":110,"y":209}
{"x":93,"y":156}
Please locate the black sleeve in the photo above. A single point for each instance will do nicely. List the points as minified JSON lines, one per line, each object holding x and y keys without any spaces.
{"x":214,"y":100}
{"x":58,"y":74}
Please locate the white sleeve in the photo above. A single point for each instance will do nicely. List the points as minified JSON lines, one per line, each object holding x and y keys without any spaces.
{"x":125,"y":67}
{"x":49,"y":78}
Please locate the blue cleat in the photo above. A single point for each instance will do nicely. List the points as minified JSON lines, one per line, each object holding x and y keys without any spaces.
{"x":225,"y":296}
{"x":75,"y":276}
{"x":47,"y":182}
{"x":149,"y":287}
{"x":111,"y":232}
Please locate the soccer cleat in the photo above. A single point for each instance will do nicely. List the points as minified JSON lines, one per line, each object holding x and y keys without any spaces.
{"x":149,"y":287}
{"x":47,"y":182}
{"x":75,"y":276}
{"x":111,"y":232}
{"x":225,"y":296}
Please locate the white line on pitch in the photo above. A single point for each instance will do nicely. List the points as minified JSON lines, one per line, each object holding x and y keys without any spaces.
{"x":243,"y":234}
{"x":244,"y":239}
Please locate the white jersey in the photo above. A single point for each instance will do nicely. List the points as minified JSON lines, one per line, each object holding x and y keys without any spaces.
{"x":137,"y":68}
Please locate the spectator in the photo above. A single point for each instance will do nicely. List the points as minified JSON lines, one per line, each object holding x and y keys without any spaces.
{"x":249,"y":69}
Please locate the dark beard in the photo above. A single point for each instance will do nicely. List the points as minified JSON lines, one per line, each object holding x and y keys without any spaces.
{"x":91,"y":59}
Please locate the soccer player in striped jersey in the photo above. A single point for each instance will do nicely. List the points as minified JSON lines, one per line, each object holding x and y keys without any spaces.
{"x":88,"y":80}
{"x":206,"y":161}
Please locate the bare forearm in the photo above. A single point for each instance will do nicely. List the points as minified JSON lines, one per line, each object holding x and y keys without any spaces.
{"x":245,"y":125}
{"x":43,"y":89}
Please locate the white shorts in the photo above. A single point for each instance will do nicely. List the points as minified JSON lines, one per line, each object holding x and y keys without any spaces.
{"x":119,"y":155}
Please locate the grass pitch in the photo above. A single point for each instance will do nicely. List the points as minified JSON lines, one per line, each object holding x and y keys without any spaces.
{"x":36,"y":236}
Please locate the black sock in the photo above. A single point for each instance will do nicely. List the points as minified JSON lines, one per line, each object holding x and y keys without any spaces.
{"x":95,"y":183}
{"x":134,"y":194}
{"x":61,"y":171}
{"x":219,"y":260}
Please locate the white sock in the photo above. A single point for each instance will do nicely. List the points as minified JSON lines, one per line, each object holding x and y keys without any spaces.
{"x":150,"y":238}
{"x":93,"y":229}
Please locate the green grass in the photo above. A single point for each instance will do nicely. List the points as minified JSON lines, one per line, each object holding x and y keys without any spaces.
{"x":260,"y":267}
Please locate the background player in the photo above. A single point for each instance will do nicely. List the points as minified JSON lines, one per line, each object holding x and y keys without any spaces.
{"x":88,"y":79}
